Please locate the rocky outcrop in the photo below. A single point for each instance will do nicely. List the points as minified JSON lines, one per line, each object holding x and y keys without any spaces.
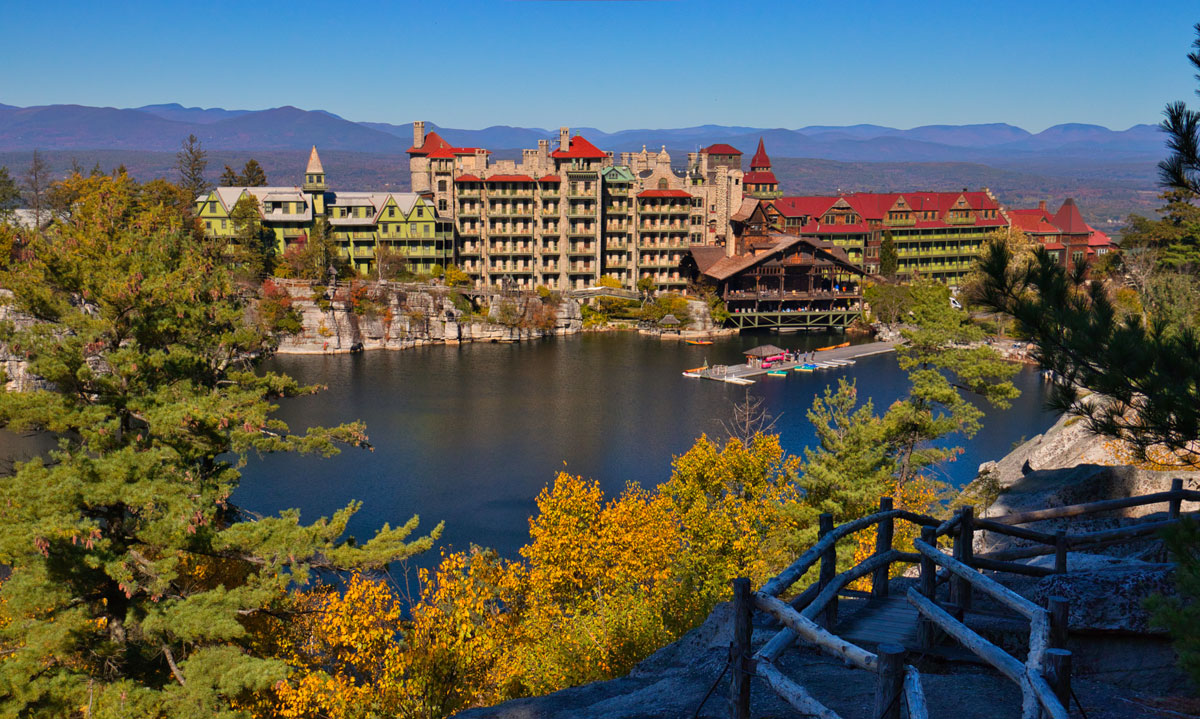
{"x":399,"y":316}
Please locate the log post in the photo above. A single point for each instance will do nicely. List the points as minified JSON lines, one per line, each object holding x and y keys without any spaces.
{"x":925,"y":626}
{"x":883,"y":543}
{"x":1060,"y":552}
{"x":1058,"y":675}
{"x":889,"y":683}
{"x":828,"y":570}
{"x":964,"y":552}
{"x":1176,"y":503}
{"x":1060,"y":621}
{"x":739,"y":650}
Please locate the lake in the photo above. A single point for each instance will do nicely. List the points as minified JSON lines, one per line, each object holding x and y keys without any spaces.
{"x":470,"y":434}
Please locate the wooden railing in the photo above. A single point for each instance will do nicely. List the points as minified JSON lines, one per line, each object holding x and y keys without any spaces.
{"x":811,"y":616}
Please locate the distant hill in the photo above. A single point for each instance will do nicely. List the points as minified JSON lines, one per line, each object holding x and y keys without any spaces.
{"x":1111,"y":172}
{"x":162,"y":127}
{"x":178,"y":113}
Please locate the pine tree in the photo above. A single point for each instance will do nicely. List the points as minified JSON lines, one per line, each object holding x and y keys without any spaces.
{"x":191,"y":161}
{"x":1181,"y":169}
{"x":137,"y":587}
{"x":253,"y":175}
{"x":253,"y":248}
{"x":10,"y":196}
{"x":889,"y":261}
{"x":944,"y":356}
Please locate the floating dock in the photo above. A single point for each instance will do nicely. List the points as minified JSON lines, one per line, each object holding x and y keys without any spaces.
{"x":838,"y":357}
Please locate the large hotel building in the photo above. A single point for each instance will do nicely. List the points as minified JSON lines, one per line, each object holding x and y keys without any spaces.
{"x":566,"y":214}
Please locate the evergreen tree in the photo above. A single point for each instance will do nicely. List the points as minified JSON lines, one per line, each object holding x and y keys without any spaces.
{"x":191,"y":161}
{"x":1143,"y":379}
{"x":10,"y":196}
{"x":889,"y":261}
{"x":1181,"y":169}
{"x":943,"y":353}
{"x":253,"y":247}
{"x":229,"y":178}
{"x":137,"y":588}
{"x":253,"y":175}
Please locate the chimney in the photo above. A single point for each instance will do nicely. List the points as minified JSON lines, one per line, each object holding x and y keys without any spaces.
{"x":418,"y":133}
{"x":543,"y":147}
{"x":564,"y":139}
{"x":1042,"y":205}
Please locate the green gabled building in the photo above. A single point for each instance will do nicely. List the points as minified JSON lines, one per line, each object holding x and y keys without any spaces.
{"x":360,"y":222}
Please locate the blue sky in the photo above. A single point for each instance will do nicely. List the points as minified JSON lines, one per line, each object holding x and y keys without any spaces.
{"x":615,"y":64}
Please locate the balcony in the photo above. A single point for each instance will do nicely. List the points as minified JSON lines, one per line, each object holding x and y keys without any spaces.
{"x":586,"y":250}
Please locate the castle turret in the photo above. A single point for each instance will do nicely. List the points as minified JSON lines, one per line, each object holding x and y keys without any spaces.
{"x":760,"y":181}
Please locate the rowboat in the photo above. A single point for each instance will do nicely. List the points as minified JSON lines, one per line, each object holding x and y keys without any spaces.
{"x":805,"y":367}
{"x":698,"y":342}
{"x":739,"y":381}
{"x":777,"y":373}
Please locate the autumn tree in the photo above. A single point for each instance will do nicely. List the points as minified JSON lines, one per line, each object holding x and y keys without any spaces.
{"x":455,"y":277}
{"x":390,"y":264}
{"x":191,"y":161}
{"x":229,"y":178}
{"x":137,"y":588}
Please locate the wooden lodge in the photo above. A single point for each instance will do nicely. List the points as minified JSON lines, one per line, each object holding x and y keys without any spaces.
{"x":777,"y":280}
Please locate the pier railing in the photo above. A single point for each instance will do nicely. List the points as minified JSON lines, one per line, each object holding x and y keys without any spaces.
{"x":811,"y":616}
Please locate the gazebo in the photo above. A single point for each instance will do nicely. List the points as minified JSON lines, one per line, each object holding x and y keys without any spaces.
{"x":670,"y":322}
{"x":763,"y":351}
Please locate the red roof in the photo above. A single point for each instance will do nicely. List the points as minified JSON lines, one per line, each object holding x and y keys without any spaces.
{"x":663,"y":193}
{"x":509,"y":178}
{"x":876,"y":205}
{"x":1099,"y":239}
{"x":760,"y":158}
{"x":760,"y":178}
{"x":1055,"y":246}
{"x":722,"y":149}
{"x":442,"y":153}
{"x":580,"y":148}
{"x":1033,"y":221}
{"x":1069,"y":220}
{"x":435,"y":144}
{"x":550,"y":178}
{"x":467,"y":178}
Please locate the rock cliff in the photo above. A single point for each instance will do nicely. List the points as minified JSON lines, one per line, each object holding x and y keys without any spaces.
{"x":397,"y":316}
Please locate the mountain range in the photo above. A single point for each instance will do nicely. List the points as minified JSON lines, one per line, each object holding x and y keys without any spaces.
{"x":162,"y":127}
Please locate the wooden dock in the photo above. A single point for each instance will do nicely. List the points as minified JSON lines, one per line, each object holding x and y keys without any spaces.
{"x":746,"y":373}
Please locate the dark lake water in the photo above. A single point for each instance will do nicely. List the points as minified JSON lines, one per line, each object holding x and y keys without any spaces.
{"x":470,"y":434}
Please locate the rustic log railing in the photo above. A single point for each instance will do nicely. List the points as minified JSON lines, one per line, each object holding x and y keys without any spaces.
{"x":811,"y":616}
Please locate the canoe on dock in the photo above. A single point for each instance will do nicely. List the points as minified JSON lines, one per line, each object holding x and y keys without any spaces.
{"x":833,"y":347}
